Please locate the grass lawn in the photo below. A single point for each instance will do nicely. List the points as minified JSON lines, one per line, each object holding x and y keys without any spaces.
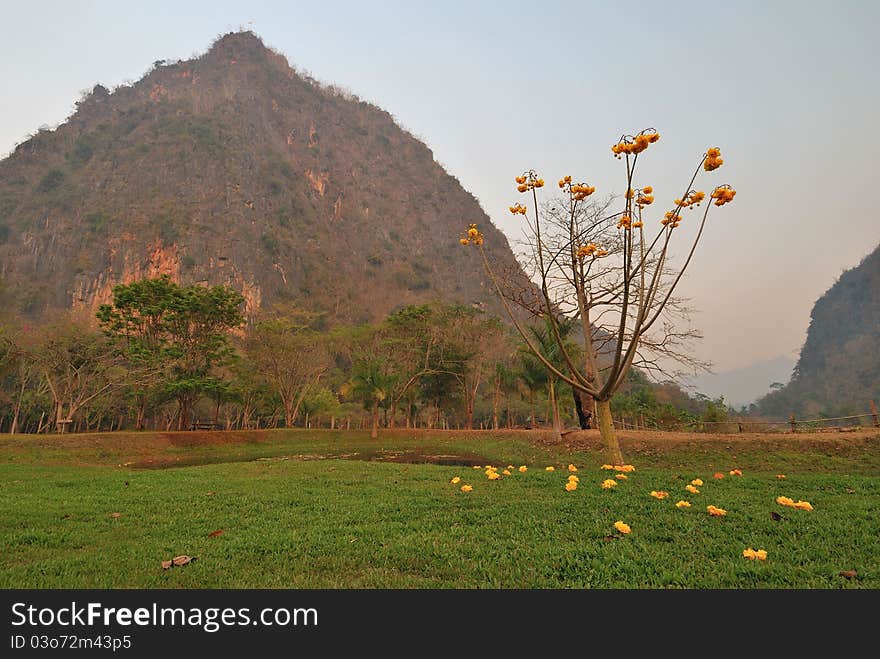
{"x":321,"y":509}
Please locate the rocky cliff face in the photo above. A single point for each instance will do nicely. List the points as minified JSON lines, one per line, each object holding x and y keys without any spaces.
{"x":233,"y":168}
{"x":838,"y":370}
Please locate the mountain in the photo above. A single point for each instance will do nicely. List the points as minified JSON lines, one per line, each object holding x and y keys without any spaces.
{"x":232,"y":168}
{"x":838,"y":371}
{"x":743,"y":386}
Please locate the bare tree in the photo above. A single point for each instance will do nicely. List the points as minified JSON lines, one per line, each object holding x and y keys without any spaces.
{"x":609,"y":271}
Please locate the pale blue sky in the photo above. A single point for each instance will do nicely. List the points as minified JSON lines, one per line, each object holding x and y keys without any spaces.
{"x":788,"y":90}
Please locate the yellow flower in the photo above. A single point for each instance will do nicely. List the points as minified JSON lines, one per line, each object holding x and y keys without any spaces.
{"x":607,"y":467}
{"x":803,"y":505}
{"x":466,"y":488}
{"x":571,"y":486}
{"x":718,"y":475}
{"x":523,"y":469}
{"x":697,"y":482}
{"x":785,"y":501}
{"x":647,"y":189}
{"x":621,"y":477}
{"x":735,"y":472}
{"x":623,"y":528}
{"x":464,"y":241}
{"x":692,"y":489}
{"x":572,"y":468}
{"x":608,"y":484}
{"x":683,"y":504}
{"x":780,"y":476}
{"x":752,"y":554}
{"x":493,"y":475}
{"x":659,"y":495}
{"x":511,"y":467}
{"x":455,"y":480}
{"x":574,"y":479}
{"x":716,"y":512}
{"x":477,"y":467}
{"x":549,"y":468}
{"x":625,"y":468}
{"x":506,"y":472}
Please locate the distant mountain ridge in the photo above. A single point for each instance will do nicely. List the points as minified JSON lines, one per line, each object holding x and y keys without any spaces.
{"x":745,"y":385}
{"x":232,"y":168}
{"x":838,"y":371}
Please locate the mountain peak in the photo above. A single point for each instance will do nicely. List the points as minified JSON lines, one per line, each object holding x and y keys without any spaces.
{"x":231,"y":169}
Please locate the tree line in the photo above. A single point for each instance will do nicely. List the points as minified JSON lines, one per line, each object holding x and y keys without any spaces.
{"x":163,"y":356}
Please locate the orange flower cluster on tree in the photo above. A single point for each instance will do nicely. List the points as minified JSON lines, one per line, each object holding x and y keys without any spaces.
{"x":579,"y":191}
{"x":693,"y":198}
{"x":472,"y":236}
{"x":589,"y":249}
{"x":517,"y":209}
{"x":528,"y":182}
{"x":671,"y":219}
{"x":713,"y":159}
{"x":625,"y":221}
{"x":646,"y":197}
{"x":723,"y":194}
{"x":635,"y":145}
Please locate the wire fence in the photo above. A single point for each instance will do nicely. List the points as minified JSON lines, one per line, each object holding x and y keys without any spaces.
{"x":849,"y":423}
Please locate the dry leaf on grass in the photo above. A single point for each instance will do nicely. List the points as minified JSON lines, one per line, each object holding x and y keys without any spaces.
{"x":115,"y":515}
{"x":214,"y":534}
{"x":775,"y":516}
{"x":849,"y":574}
{"x":183,"y":559}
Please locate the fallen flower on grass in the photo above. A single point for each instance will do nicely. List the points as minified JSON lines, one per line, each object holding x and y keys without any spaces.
{"x":549,"y":468}
{"x":523,"y":469}
{"x":698,"y":482}
{"x":716,"y":512}
{"x":718,"y":475}
{"x":507,"y":472}
{"x":572,"y":468}
{"x":456,"y":480}
{"x":659,"y":495}
{"x":511,"y":467}
{"x":624,"y":468}
{"x":607,"y":466}
{"x":683,"y":504}
{"x":755,"y":555}
{"x":466,"y":488}
{"x":478,"y":466}
{"x":735,"y":472}
{"x":622,"y":527}
{"x":493,"y":475}
{"x":803,"y":505}
{"x":691,"y":489}
{"x":571,"y":486}
{"x":607,"y":484}
{"x":621,"y":477}
{"x":780,"y":476}
{"x":574,"y":478}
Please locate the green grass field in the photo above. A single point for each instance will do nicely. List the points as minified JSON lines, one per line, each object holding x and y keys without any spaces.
{"x":322,"y":509}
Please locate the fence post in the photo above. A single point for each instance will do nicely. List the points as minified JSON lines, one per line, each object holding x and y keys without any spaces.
{"x":793,"y":423}
{"x":874,"y":414}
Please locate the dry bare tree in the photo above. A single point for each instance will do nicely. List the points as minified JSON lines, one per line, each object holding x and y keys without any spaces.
{"x":608,"y":270}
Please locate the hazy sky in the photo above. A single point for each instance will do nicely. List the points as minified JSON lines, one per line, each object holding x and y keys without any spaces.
{"x":787,"y":90}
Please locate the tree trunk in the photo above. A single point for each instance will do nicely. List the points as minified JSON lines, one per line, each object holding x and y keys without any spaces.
{"x":606,"y":429}
{"x":582,"y":406}
{"x":374,"y":433}
{"x":496,"y":397}
{"x":393,"y":414}
{"x":557,"y":422}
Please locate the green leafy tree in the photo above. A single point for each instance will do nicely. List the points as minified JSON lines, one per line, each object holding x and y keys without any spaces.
{"x":177,"y":334}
